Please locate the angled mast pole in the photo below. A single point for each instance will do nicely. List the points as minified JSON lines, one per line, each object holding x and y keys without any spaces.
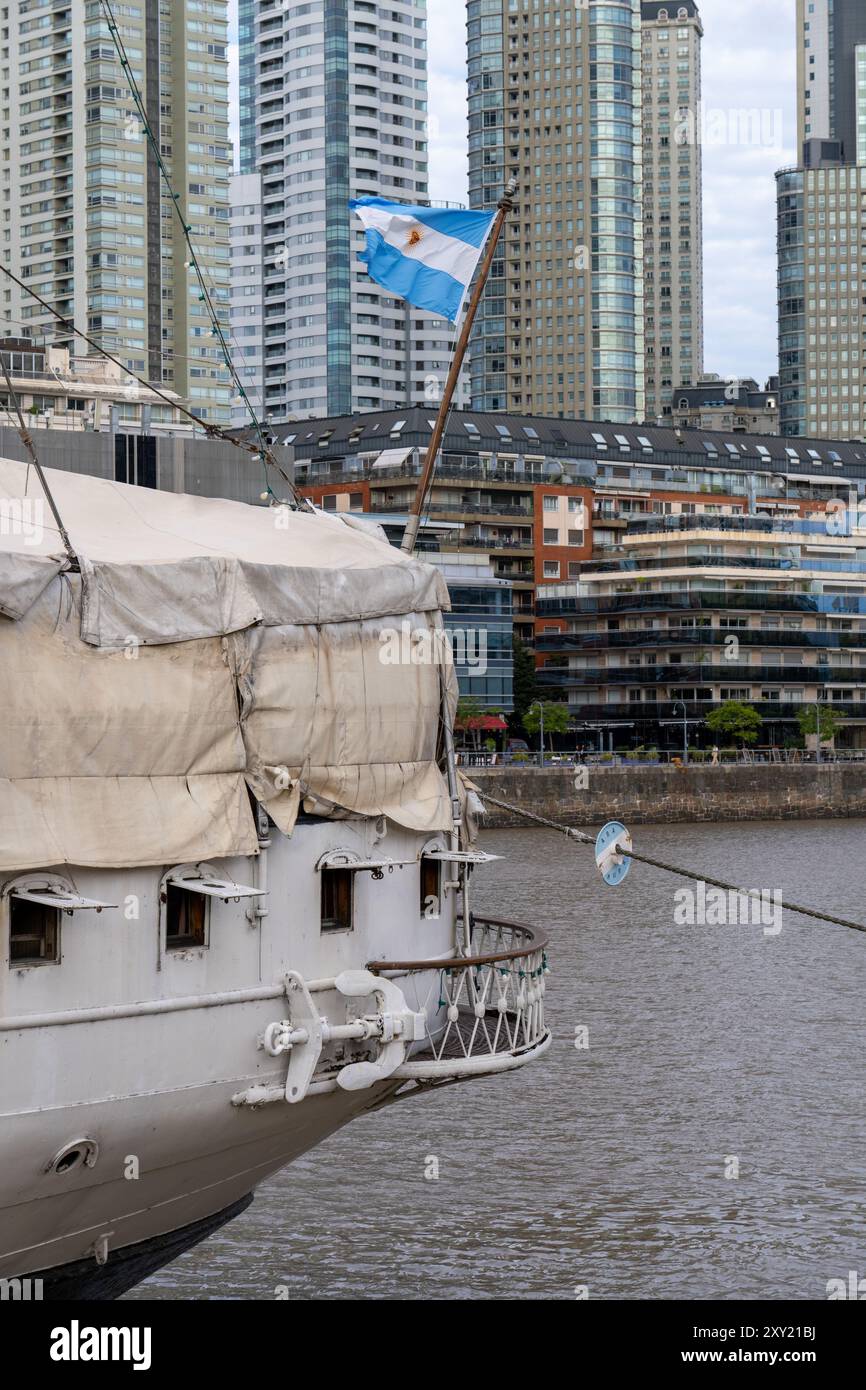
{"x":27,"y":441}
{"x":410,"y":535}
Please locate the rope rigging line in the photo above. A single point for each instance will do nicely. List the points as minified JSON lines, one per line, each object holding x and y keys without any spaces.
{"x":261,"y":450}
{"x":582,"y":838}
{"x":204,"y":293}
{"x":213,"y":431}
{"x":27,"y":441}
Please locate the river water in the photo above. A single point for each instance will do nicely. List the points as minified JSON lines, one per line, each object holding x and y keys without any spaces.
{"x":713,"y":1050}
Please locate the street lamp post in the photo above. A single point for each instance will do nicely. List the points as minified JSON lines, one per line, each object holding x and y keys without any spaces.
{"x":541,"y":718}
{"x":685,"y":730}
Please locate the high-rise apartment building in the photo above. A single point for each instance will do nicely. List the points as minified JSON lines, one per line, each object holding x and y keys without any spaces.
{"x":821,"y":210}
{"x":822,"y":317}
{"x":337,"y":90}
{"x":831,"y":76}
{"x":247,"y":306}
{"x":86,"y":221}
{"x":672,"y":119}
{"x":554,"y":98}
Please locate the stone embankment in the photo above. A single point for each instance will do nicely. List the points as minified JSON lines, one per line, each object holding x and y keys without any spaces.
{"x":642,"y":795}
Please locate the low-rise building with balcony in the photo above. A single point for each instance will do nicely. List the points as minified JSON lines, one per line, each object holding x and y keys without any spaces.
{"x":543,"y":496}
{"x":57,"y":391}
{"x":693,"y":611}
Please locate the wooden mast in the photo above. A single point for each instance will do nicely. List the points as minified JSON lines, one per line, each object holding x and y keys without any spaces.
{"x":410,"y":535}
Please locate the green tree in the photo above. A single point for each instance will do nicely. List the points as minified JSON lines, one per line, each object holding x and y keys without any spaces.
{"x":468,"y":710}
{"x":736,"y":720}
{"x":807,"y":718}
{"x":556,"y":718}
{"x":525,"y":681}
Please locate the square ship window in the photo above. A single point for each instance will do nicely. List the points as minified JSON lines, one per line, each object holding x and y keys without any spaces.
{"x":187,"y":919}
{"x":337,"y":898}
{"x":431,"y":888}
{"x":34,"y":933}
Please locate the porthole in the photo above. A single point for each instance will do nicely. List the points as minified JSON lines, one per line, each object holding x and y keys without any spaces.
{"x":78,"y":1153}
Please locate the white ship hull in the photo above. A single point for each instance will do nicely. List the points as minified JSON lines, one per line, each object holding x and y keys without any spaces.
{"x":202,"y":1160}
{"x":166,"y":1110}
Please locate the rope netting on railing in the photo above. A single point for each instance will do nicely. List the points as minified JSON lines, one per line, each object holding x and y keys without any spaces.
{"x":485,"y":1003}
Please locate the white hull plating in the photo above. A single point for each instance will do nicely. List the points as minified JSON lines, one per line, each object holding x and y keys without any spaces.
{"x":149,"y":1077}
{"x":147,"y":1064}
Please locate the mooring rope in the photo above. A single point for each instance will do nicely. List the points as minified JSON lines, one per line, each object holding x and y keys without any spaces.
{"x":582,"y":838}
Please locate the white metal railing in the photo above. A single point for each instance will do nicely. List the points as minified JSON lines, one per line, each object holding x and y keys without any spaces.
{"x":484,"y":1006}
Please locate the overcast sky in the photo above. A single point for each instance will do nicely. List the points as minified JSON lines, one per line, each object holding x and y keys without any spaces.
{"x":748,"y":65}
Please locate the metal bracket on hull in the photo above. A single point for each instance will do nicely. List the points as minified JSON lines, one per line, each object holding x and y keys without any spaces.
{"x":305,"y":1033}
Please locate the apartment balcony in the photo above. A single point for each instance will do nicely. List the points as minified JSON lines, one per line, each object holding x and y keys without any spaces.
{"x":738,"y":524}
{"x":466,"y":469}
{"x":698,"y":637}
{"x":633,"y":561}
{"x":835,"y":604}
{"x":702,"y":674}
{"x":617,"y":712}
{"x":435,"y":508}
{"x":463,"y":542}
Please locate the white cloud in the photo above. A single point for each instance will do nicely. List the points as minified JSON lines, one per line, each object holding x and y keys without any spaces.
{"x":748,"y":64}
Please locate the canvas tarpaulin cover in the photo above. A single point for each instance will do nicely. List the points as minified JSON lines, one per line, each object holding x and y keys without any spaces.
{"x":205,"y":647}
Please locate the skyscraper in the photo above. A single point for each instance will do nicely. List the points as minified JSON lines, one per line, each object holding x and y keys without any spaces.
{"x":822,"y":315}
{"x":831,"y":75}
{"x":671,"y":119}
{"x":337,"y":90}
{"x":554,"y":97}
{"x":86,"y":221}
{"x":247,"y":307}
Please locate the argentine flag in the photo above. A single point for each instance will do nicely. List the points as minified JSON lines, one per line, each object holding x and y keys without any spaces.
{"x":424,"y":255}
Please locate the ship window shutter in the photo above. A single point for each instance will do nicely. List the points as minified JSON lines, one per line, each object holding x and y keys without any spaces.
{"x":58,"y":899}
{"x":213,"y":886}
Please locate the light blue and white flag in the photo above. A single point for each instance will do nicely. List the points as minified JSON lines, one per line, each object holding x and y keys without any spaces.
{"x":424,"y":255}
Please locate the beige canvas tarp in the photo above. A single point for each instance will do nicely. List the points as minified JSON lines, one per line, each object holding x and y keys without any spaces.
{"x":374,"y":753}
{"x":158,"y":567}
{"x":205,"y":646}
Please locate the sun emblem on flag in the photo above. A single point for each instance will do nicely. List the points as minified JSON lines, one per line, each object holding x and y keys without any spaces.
{"x":414,"y":237}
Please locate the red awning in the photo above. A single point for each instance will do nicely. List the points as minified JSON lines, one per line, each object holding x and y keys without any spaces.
{"x":487,"y":722}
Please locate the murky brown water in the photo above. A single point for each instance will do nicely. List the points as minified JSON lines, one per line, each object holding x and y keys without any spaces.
{"x":606,"y":1167}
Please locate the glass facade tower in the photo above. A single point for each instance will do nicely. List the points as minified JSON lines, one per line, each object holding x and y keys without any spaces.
{"x":334,"y":93}
{"x":554,"y":98}
{"x":87,"y":221}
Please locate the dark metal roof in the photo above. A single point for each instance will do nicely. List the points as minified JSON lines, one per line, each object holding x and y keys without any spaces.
{"x":749,"y":395}
{"x":548,"y":437}
{"x":673,"y":7}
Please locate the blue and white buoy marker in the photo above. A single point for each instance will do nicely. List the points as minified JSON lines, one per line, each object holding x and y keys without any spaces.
{"x":612,"y":866}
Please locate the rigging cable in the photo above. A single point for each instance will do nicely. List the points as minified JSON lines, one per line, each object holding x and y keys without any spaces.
{"x":204,"y":293}
{"x":583,"y":839}
{"x":213,"y":431}
{"x":261,"y":450}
